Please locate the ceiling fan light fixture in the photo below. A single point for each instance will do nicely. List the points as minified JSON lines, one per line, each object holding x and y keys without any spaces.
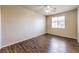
{"x":48,"y":7}
{"x":47,"y":11}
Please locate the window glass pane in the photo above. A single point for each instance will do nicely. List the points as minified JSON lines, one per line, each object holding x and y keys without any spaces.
{"x":61,"y":22}
{"x":54,"y":25}
{"x":54,"y":22}
{"x":58,"y":22}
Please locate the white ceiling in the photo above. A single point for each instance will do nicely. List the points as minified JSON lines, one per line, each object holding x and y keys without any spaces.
{"x":59,"y":8}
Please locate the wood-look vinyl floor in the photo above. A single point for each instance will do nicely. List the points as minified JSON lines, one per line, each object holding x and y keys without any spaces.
{"x":44,"y":44}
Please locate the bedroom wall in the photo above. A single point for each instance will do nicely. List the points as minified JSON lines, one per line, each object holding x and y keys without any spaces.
{"x":78,"y":24}
{"x":20,"y":24}
{"x":70,"y":25}
{"x":0,"y":26}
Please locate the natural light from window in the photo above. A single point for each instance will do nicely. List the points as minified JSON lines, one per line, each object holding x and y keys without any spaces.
{"x":58,"y":22}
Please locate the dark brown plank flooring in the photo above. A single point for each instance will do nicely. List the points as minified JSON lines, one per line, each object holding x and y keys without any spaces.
{"x":44,"y":44}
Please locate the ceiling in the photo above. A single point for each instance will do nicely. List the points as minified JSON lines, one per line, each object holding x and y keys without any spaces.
{"x":59,"y":8}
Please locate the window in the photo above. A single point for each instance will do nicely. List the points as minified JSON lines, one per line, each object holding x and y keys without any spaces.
{"x":58,"y":22}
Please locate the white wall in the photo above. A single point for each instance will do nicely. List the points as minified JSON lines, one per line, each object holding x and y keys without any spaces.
{"x":0,"y":26}
{"x":70,"y":29}
{"x":20,"y":24}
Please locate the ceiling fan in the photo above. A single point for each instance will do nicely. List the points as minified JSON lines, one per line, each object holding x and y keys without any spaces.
{"x":49,"y":9}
